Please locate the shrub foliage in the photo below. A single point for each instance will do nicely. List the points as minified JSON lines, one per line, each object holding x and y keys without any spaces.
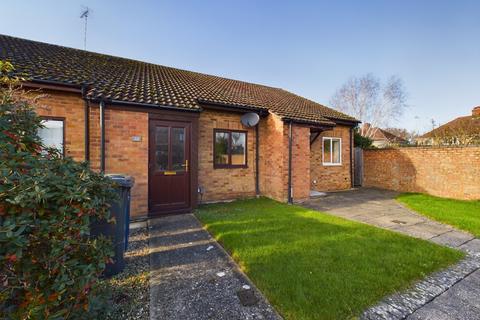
{"x":49,"y":265}
{"x":361,"y":141}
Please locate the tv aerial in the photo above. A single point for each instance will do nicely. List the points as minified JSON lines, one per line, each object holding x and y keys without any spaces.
{"x":86,"y":11}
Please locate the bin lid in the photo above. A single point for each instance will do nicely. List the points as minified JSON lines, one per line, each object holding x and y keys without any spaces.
{"x":122,"y":180}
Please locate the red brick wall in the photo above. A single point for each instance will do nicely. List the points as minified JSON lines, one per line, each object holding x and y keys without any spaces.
{"x":274,"y":160}
{"x":122,"y":154}
{"x":273,"y":183}
{"x":126,"y":156}
{"x":331,"y":178}
{"x":300,"y":162}
{"x":452,"y":172}
{"x":225,"y":183}
{"x":70,"y":107}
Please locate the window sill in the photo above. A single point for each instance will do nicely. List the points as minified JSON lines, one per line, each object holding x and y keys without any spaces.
{"x":332,"y":164}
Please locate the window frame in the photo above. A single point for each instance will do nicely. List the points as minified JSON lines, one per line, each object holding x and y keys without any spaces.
{"x":331,"y":163}
{"x":229,"y":165}
{"x":63,"y":119}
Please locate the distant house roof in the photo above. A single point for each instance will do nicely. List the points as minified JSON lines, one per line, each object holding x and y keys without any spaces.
{"x":467,"y":125}
{"x":380,"y":134}
{"x":113,"y":79}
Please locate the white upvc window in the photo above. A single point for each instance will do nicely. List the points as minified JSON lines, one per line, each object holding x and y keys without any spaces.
{"x":332,"y":151}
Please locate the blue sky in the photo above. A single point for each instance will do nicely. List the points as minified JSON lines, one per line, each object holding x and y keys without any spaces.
{"x":308,"y":47}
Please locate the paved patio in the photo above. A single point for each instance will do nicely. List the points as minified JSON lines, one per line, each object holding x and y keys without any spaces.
{"x":449,"y":294}
{"x":192,"y":277}
{"x":379,"y":208}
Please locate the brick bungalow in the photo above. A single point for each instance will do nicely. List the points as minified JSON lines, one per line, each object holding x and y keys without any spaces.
{"x":179,"y":133}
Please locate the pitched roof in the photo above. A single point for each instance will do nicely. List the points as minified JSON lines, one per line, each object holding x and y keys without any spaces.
{"x":120,"y":79}
{"x":461,"y":126}
{"x":381,"y":134}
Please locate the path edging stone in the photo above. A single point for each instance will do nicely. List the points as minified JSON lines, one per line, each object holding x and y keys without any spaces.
{"x":401,"y":305}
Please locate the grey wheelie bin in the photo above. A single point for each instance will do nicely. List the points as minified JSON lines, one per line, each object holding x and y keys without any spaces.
{"x":118,"y":231}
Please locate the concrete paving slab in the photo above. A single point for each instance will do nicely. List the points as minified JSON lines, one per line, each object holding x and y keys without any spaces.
{"x":430,"y":313}
{"x":452,"y":239}
{"x":345,"y":213}
{"x":455,"y":307}
{"x":475,"y":276}
{"x":192,"y":277}
{"x":403,"y":219}
{"x":425,"y":230}
{"x":472,"y":246}
{"x":468,"y":290}
{"x":418,"y":231}
{"x":388,"y":222}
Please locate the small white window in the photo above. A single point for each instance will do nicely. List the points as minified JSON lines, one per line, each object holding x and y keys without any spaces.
{"x":52,"y":134}
{"x":332,"y":151}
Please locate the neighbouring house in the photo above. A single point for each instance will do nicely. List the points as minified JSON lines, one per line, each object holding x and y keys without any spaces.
{"x":381,"y":138}
{"x":460,"y":131}
{"x":179,"y":133}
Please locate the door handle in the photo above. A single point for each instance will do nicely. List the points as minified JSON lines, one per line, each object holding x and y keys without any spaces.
{"x":185,"y":165}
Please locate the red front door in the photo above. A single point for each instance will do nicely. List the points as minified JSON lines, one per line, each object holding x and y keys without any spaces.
{"x":169,"y":166}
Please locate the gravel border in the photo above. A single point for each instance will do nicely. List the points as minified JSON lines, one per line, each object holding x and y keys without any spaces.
{"x":130,"y":289}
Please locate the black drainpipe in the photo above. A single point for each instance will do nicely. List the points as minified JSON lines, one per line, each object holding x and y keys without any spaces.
{"x":290,"y":138}
{"x":102,"y":136}
{"x":257,"y":153}
{"x":87,"y":122}
{"x":351,"y":158}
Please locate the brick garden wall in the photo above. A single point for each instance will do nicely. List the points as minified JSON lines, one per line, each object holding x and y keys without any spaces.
{"x":331,"y":178}
{"x":452,"y":172}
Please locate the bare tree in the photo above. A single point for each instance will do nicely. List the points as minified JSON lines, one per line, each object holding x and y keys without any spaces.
{"x":370,"y":101}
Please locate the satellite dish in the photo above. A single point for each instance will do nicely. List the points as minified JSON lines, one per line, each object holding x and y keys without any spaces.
{"x":250,"y":119}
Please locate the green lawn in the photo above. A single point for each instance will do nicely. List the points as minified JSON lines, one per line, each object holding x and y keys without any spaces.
{"x":312,"y":265}
{"x":464,"y":215}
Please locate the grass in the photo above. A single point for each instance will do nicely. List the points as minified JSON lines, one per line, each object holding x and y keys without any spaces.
{"x":312,"y":265}
{"x":464,"y":215}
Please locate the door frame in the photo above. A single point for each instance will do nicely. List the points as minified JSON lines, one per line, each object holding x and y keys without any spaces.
{"x":192,"y":119}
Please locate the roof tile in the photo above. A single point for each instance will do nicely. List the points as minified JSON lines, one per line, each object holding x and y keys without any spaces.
{"x":126,"y":80}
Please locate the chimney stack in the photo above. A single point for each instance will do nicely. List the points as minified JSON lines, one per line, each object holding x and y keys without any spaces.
{"x":476,"y":111}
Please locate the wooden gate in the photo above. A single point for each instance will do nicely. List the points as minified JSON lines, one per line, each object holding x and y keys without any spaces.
{"x":358,"y":169}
